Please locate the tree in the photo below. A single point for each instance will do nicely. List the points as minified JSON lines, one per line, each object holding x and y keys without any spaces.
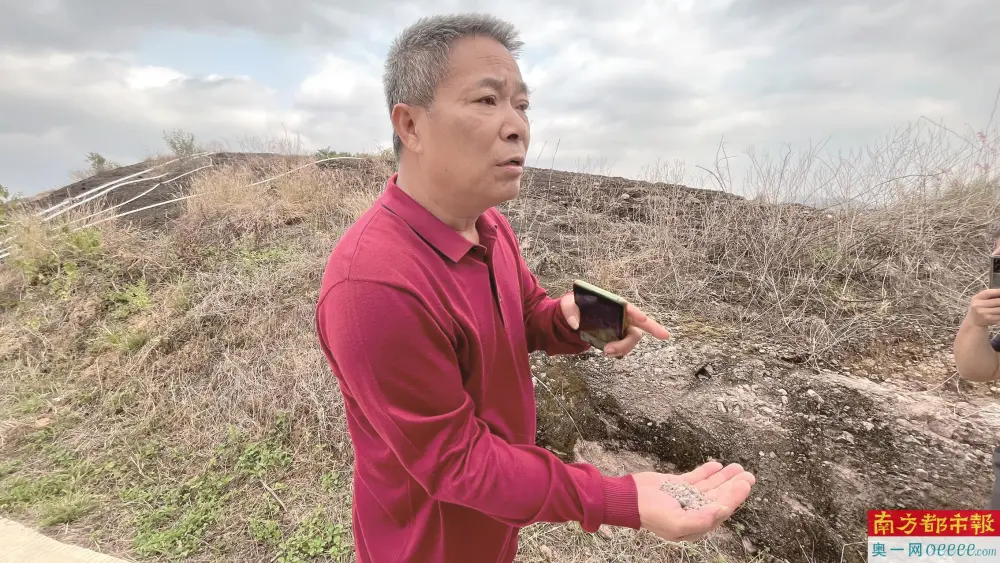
{"x":180,"y":142}
{"x":98,"y":164}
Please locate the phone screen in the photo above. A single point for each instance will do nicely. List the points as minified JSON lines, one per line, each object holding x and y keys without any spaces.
{"x":599,"y":317}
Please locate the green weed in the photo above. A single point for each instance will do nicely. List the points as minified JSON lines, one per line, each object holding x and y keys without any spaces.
{"x":314,"y":537}
{"x":129,"y":300}
{"x":174,"y":519}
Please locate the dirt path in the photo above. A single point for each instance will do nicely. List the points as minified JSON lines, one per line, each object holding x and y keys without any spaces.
{"x":21,"y":544}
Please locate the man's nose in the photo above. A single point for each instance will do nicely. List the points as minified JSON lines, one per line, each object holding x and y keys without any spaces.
{"x":515,"y":126}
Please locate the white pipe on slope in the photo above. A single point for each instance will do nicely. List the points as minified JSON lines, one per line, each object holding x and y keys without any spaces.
{"x":95,"y":195}
{"x":196,"y":195}
{"x":107,"y":187}
{"x":175,"y":178}
{"x":95,"y":191}
{"x":5,"y":251}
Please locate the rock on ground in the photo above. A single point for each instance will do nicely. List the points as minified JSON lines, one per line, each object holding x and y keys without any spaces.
{"x":825,"y":446}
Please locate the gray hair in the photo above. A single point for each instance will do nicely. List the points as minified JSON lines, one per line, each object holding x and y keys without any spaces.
{"x":418,"y":58}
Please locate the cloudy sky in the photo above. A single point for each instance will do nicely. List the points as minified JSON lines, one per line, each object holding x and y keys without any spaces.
{"x":618,"y":86}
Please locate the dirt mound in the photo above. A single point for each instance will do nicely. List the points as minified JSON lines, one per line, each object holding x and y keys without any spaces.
{"x":811,"y":347}
{"x":142,"y":191}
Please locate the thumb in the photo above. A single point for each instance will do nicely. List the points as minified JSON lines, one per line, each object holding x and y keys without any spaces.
{"x":570,"y":310}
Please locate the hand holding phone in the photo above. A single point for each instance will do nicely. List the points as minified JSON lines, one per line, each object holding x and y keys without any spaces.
{"x":994,"y":271}
{"x":607,"y":321}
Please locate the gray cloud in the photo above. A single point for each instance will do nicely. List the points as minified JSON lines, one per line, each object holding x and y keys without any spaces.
{"x":629,"y":81}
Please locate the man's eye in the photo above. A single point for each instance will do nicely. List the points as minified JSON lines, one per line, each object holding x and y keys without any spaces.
{"x":489,"y":100}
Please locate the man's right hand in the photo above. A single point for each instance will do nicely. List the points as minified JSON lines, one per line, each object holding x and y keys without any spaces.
{"x":984,"y":310}
{"x":726,"y":488}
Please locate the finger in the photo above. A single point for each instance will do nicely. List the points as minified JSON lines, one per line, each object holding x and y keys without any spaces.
{"x":570,"y":310}
{"x":702,"y":472}
{"x":717,"y":479}
{"x":729,"y":497}
{"x":721,"y":490}
{"x":639,"y":319}
{"x":625,"y":345}
{"x":573,"y":316}
{"x":992,"y":293}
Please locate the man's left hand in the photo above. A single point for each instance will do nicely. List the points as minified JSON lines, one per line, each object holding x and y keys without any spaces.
{"x":638,"y":323}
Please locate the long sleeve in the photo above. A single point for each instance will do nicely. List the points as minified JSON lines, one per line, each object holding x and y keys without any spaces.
{"x":401,"y":367}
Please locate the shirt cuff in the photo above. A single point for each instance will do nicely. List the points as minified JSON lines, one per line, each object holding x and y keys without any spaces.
{"x":621,"y":502}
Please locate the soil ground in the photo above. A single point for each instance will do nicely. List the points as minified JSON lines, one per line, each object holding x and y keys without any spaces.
{"x":845,"y":406}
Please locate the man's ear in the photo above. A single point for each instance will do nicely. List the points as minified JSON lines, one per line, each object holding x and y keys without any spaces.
{"x":404,"y":123}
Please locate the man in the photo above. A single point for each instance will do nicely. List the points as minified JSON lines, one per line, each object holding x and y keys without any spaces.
{"x":977,"y":355}
{"x":427,"y":315}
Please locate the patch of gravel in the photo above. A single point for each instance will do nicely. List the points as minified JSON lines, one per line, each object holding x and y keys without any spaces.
{"x":687,"y":496}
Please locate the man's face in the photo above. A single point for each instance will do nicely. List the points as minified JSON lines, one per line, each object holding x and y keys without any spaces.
{"x":477,"y":124}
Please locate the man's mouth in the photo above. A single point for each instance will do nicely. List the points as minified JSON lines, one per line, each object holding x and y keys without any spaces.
{"x":516,"y":161}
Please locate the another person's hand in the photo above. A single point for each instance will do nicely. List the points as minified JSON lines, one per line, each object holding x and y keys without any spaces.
{"x":726,"y":488}
{"x":984,"y":310}
{"x":638,"y":323}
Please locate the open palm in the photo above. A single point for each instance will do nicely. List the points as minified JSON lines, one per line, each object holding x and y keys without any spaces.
{"x":725,"y":488}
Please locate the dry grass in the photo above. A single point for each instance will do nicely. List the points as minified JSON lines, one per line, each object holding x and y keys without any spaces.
{"x":895,"y":258}
{"x":162,"y":394}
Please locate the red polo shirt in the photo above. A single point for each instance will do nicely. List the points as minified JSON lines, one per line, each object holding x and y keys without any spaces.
{"x":429,"y":337}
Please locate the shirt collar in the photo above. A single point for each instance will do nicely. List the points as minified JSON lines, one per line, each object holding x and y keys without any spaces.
{"x":443,"y":238}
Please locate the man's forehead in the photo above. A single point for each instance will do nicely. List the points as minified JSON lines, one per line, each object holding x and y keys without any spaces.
{"x":500,"y":83}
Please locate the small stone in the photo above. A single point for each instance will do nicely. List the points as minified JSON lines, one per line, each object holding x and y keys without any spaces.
{"x":782,"y":392}
{"x":922,"y":473}
{"x":784,"y":399}
{"x":868,"y":426}
{"x":846,"y":437}
{"x":814,"y":395}
{"x":687,"y":496}
{"x":722,"y":407}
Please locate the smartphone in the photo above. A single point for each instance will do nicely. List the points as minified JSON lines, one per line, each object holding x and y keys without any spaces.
{"x":603,"y":317}
{"x":994,"y":272}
